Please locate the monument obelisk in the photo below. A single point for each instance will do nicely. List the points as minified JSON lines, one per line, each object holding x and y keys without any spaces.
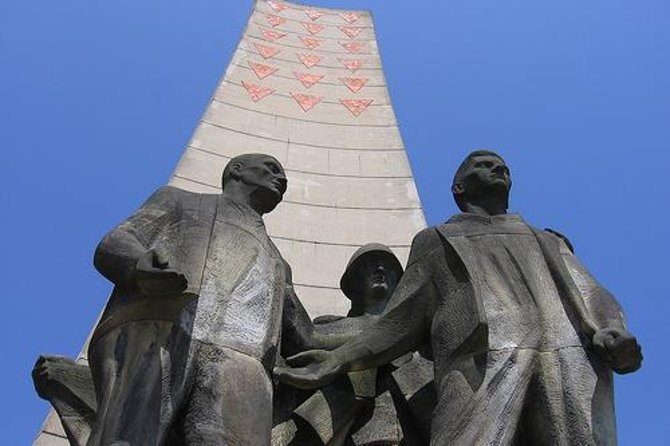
{"x":307,"y":86}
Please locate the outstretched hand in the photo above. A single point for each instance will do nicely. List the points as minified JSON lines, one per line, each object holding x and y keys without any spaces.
{"x":310,"y":369}
{"x":619,"y":349}
{"x":154,"y":277}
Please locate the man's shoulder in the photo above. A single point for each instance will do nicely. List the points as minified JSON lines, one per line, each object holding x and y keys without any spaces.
{"x":170,"y":196}
{"x":183,"y":194}
{"x":431,"y":237}
{"x":561,"y":237}
{"x":424,"y":243}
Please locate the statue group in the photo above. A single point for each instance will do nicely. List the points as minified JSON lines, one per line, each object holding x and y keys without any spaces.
{"x":494,"y":333}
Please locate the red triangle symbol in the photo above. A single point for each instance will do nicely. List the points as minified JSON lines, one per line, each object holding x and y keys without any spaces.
{"x":310,"y":42}
{"x":352,"y":47}
{"x":356,"y":106}
{"x":271,"y":35}
{"x":279,"y":7}
{"x":308,"y":79}
{"x":266,"y":51}
{"x":275,"y":20}
{"x":256,"y":92}
{"x":350,"y":31}
{"x":352,"y":64}
{"x":313,"y":28}
{"x":350,"y":17}
{"x":262,"y":70}
{"x":309,"y":60}
{"x":306,"y":101}
{"x":354,"y":83}
{"x":313,"y":13}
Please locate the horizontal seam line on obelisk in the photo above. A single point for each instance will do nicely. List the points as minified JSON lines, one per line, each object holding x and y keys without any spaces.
{"x":357,"y":149}
{"x":317,"y":286}
{"x":395,"y":125}
{"x":54,"y":434}
{"x":306,"y":48}
{"x":316,"y":36}
{"x":317,"y":242}
{"x":336,"y":84}
{"x":301,"y":203}
{"x":288,"y":96}
{"x":307,"y":172}
{"x":308,"y":20}
{"x":298,"y":62}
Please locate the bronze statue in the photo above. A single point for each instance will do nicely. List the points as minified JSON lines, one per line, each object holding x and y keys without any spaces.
{"x":184,"y":350}
{"x":524,"y":340}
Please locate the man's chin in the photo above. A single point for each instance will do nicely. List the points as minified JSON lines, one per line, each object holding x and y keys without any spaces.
{"x":270,"y":199}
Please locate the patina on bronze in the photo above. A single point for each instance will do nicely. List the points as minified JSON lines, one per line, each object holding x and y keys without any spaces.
{"x":524,"y":340}
{"x":184,"y":350}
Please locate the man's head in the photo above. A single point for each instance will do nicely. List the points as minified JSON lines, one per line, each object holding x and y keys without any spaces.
{"x":258,"y":177}
{"x":370,"y":278}
{"x":482,"y":173}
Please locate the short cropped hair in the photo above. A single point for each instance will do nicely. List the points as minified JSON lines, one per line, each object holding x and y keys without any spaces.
{"x":239,"y":160}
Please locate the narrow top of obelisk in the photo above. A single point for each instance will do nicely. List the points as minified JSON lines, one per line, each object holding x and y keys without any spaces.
{"x":323,"y":15}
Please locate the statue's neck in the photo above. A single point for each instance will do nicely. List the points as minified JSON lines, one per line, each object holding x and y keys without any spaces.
{"x":241,"y":196}
{"x":486,"y":209}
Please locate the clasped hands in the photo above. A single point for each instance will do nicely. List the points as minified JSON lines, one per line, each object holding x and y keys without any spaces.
{"x":310,"y":369}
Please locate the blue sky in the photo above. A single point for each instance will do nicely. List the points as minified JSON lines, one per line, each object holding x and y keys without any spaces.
{"x":98,"y":99}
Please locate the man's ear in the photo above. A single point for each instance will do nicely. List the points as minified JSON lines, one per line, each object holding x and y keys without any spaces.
{"x":235,"y":170}
{"x":457,"y":189}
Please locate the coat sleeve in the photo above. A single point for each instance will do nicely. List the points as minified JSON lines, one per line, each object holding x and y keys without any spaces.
{"x":600,"y":303}
{"x":406,"y":322}
{"x":119,"y":250}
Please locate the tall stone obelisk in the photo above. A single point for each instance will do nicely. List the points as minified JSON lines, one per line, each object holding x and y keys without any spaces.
{"x":306,"y":85}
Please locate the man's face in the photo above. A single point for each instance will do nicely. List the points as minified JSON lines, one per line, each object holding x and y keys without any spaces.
{"x":486,"y":172}
{"x":378,"y":278}
{"x":268,"y":175}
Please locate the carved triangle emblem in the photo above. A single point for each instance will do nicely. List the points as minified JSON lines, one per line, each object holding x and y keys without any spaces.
{"x":352,"y":47}
{"x":352,"y":64}
{"x":350,"y":17}
{"x":277,"y":6}
{"x":262,"y":70}
{"x":356,"y":106}
{"x":308,"y":79}
{"x":270,"y":34}
{"x":267,"y":52}
{"x":350,"y":31}
{"x":313,"y":13}
{"x":354,"y":83}
{"x":275,"y":20}
{"x":256,"y":92}
{"x":310,"y":42}
{"x":313,"y":28}
{"x":309,"y":60}
{"x":306,"y":101}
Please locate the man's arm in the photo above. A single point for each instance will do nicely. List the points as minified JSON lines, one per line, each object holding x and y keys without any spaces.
{"x":404,"y":325}
{"x":600,"y":304}
{"x":299,"y":333}
{"x":119,"y":252}
{"x":612,"y":340}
